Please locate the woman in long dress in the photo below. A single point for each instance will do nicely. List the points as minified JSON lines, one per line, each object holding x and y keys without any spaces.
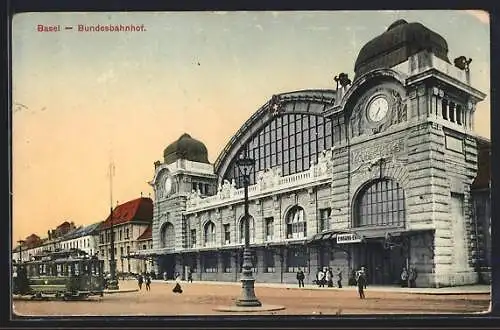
{"x":177,"y":288}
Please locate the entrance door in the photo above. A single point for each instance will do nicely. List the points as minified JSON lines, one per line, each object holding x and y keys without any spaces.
{"x":383,"y":266}
{"x":167,"y":264}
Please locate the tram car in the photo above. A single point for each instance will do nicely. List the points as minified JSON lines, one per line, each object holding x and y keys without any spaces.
{"x":66,"y":274}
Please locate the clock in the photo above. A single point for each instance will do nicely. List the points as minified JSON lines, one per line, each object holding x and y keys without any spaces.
{"x":168,"y":185}
{"x":378,"y":108}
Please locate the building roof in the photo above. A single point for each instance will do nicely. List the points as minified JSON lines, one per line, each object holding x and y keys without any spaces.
{"x":63,"y":225}
{"x":147,"y":234}
{"x":400,"y":41}
{"x":186,"y":148}
{"x":137,"y":210}
{"x":82,"y":231}
{"x":483,"y":176}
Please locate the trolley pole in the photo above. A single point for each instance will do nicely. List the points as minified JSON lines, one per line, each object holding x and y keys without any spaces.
{"x":21,"y":242}
{"x":113,"y":283}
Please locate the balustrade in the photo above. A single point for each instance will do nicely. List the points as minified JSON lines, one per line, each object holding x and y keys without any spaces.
{"x":268,"y":181}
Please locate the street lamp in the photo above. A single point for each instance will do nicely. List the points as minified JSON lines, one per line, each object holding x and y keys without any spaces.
{"x":248,"y":299}
{"x":113,"y":283}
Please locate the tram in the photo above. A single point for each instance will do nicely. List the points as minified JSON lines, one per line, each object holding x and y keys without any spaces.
{"x":66,"y":274}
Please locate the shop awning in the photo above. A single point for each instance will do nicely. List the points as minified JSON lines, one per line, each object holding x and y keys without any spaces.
{"x":326,"y":235}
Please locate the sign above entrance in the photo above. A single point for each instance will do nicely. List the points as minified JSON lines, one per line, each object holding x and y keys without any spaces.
{"x":348,"y":238}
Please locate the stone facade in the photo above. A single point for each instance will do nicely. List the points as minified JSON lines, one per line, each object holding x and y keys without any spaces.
{"x":422,"y":146}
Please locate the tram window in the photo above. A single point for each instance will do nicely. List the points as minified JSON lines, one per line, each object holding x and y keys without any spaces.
{"x":77,"y":269}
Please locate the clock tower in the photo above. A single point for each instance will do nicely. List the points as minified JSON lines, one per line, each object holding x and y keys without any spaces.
{"x":185,"y":170}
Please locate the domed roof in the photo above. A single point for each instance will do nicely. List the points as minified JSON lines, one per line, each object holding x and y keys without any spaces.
{"x":186,"y":148}
{"x":394,"y":46}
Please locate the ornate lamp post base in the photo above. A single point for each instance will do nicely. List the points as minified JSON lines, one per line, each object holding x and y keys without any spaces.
{"x":248,"y":298}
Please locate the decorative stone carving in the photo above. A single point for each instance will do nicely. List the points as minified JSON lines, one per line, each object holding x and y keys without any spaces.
{"x":232,"y":190}
{"x":312,"y":169}
{"x":361,"y":125}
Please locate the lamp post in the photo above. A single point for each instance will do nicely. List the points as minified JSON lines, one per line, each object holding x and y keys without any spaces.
{"x":248,"y":298}
{"x":113,"y":283}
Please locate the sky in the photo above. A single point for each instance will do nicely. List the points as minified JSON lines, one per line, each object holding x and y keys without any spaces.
{"x":82,"y":99}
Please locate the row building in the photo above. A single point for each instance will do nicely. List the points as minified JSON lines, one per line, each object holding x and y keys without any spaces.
{"x":131,"y":224}
{"x":384,"y":171}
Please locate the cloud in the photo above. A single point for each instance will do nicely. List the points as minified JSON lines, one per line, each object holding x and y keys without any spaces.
{"x":481,"y":15}
{"x":258,"y":26}
{"x":106,"y":76}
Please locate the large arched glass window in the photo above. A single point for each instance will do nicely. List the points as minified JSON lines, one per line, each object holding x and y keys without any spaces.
{"x":168,"y":236}
{"x":290,"y":142}
{"x":251,"y":230}
{"x":381,"y":203}
{"x":209,"y":233}
{"x":296,"y":226}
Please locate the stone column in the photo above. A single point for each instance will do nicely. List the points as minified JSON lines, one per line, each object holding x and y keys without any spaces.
{"x":220,"y":265}
{"x":432,"y":105}
{"x":199,"y":266}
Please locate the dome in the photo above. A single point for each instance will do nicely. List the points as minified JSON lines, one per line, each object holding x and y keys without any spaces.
{"x":186,"y":148}
{"x":397,"y":44}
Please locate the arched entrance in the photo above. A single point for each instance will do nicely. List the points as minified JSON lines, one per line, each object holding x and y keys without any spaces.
{"x":379,"y":208}
{"x":167,"y":260}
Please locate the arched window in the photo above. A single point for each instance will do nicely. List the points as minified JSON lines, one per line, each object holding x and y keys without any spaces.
{"x":168,"y":236}
{"x":296,"y":223}
{"x":251,"y":230}
{"x":381,"y":203}
{"x":289,"y":142}
{"x":209,"y":232}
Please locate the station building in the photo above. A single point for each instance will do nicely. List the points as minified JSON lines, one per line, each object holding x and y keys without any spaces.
{"x":381,"y":172}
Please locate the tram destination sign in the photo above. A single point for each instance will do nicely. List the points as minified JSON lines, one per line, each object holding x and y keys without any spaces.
{"x":348,"y":238}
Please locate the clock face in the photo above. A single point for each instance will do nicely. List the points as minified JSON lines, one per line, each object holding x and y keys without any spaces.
{"x":168,"y":185}
{"x":378,"y":108}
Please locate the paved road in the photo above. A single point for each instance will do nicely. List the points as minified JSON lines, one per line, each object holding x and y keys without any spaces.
{"x":458,"y":290}
{"x":200,"y":299}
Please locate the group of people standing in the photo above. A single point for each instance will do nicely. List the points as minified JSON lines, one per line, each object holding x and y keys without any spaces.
{"x":409,"y":277}
{"x":325,"y":276}
{"x":141,"y":278}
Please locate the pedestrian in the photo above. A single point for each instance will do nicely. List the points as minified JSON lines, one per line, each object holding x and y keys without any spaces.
{"x":164,"y":276}
{"x":140,"y":280}
{"x":339,"y":278}
{"x":320,"y":277}
{"x":412,"y":277}
{"x":352,"y":278}
{"x":404,"y":278}
{"x":300,"y":277}
{"x":361,"y":281}
{"x":177,"y":288}
{"x":329,"y":277}
{"x":190,"y":276}
{"x":148,"y":283}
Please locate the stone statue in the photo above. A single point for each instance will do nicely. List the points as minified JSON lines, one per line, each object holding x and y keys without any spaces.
{"x":312,"y":169}
{"x":322,"y":163}
{"x":276,"y":175}
{"x":226,"y":189}
{"x":219,"y":190}
{"x":232,"y":190}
